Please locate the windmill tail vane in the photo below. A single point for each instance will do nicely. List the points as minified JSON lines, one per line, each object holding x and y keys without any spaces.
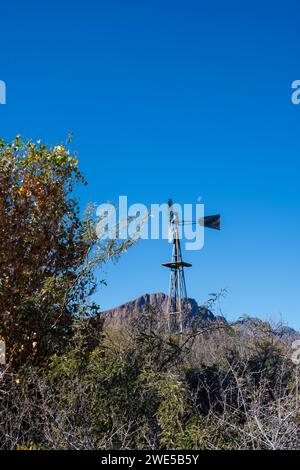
{"x":176,"y":315}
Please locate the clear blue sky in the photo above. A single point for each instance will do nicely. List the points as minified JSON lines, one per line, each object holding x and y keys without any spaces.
{"x":152,"y":86}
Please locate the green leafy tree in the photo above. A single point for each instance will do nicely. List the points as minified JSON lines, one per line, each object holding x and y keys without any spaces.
{"x":47,"y":253}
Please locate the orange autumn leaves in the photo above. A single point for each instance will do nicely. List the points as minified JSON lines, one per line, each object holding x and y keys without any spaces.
{"x":41,"y":242}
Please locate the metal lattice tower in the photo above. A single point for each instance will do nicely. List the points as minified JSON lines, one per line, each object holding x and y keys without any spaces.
{"x":176,"y":315}
{"x":177,"y":286}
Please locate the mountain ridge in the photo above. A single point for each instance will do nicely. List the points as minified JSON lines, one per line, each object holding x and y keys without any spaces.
{"x":122,"y":313}
{"x":246,"y":326}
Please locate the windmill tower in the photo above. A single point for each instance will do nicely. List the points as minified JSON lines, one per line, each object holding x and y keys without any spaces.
{"x":177,"y":285}
{"x":176,"y":315}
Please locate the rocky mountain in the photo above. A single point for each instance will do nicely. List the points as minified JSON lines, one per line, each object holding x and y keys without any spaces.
{"x":247,"y":327}
{"x":117,"y":316}
{"x":287,"y":334}
{"x":255,"y":327}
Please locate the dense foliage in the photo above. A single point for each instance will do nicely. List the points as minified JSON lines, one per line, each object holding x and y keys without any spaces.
{"x":47,"y":252}
{"x":137,"y":388}
{"x":73,"y":383}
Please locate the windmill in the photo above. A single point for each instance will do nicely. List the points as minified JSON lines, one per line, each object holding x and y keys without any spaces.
{"x":177,"y":286}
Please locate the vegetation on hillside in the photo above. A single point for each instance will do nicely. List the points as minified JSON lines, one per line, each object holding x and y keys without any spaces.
{"x":71,"y":383}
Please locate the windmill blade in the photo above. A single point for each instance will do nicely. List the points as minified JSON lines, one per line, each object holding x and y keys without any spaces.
{"x":211,"y":221}
{"x":171,"y":214}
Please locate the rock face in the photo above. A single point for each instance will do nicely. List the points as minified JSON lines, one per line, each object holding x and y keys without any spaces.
{"x":120,"y":315}
{"x":248,"y":327}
